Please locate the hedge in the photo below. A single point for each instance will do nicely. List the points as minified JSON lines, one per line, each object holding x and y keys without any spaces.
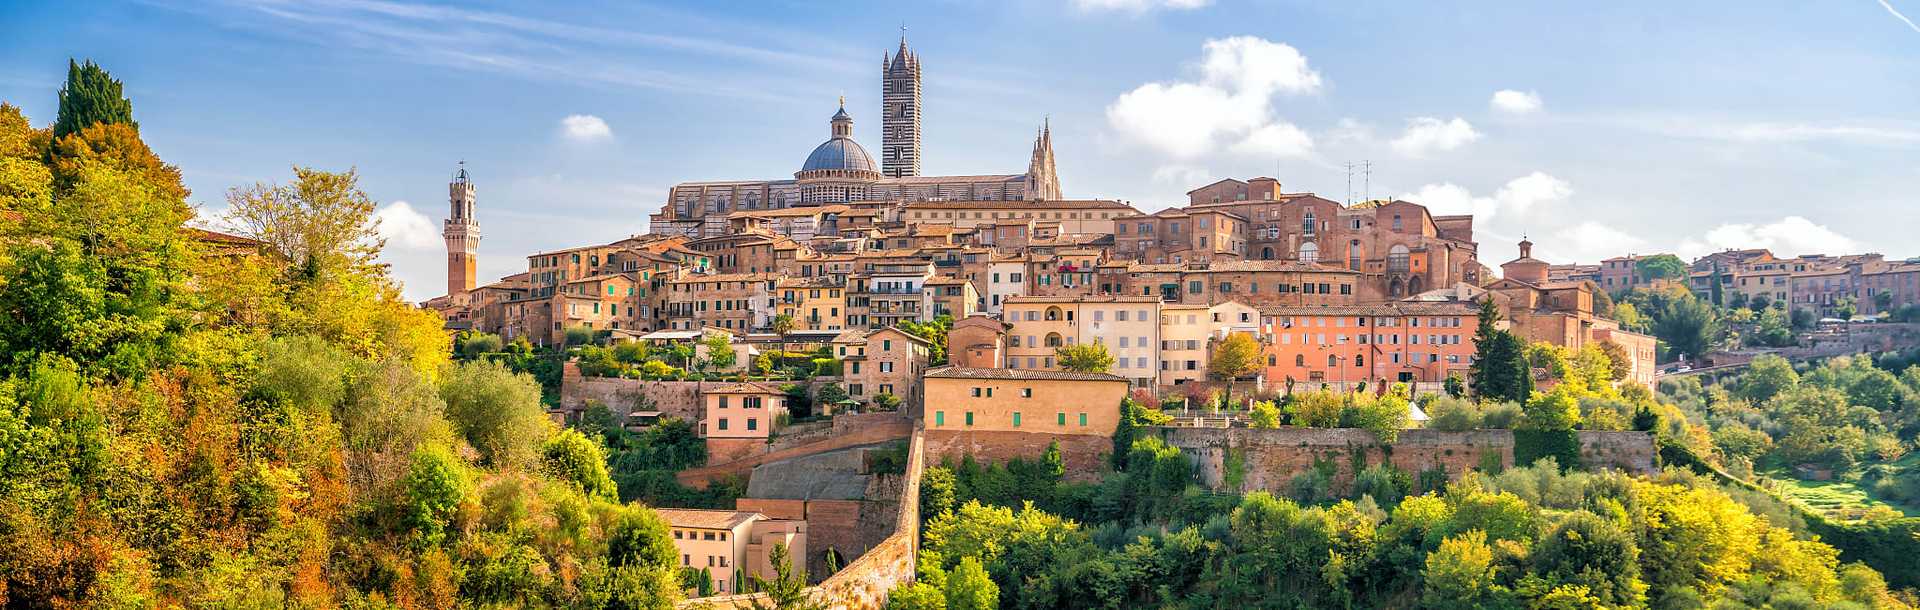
{"x":1561,"y":445}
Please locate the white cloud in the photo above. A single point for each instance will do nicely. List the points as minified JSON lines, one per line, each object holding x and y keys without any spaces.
{"x":1138,"y":6}
{"x":1515,"y":197}
{"x":1276,"y":139}
{"x":1427,"y":135}
{"x":1515,"y":102}
{"x":1185,"y":176}
{"x":407,"y":229}
{"x":1789,"y":236}
{"x":1232,"y":101}
{"x":585,"y":128}
{"x":1592,"y":241}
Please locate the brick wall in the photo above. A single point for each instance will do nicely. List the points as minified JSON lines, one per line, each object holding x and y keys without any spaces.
{"x":867,"y":435}
{"x":724,"y":450}
{"x":864,"y":583}
{"x":1084,"y":454}
{"x":1270,"y":458}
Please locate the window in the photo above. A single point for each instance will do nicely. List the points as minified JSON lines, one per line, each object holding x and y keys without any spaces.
{"x":1026,"y":392}
{"x":969,"y":418}
{"x":1083,"y":419}
{"x":939,"y":418}
{"x":1309,"y":253}
{"x":1016,"y":419}
{"x":753,"y":423}
{"x":723,"y":423}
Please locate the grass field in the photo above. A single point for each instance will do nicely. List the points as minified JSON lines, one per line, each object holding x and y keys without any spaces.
{"x":1836,"y":499}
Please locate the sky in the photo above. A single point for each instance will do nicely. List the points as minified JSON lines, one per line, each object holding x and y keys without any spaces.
{"x":1593,"y":129}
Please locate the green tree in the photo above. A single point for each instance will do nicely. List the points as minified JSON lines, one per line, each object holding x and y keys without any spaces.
{"x":719,"y":351}
{"x":1558,"y":409}
{"x":90,"y":96}
{"x":1585,"y":550}
{"x":969,"y":588}
{"x":577,"y":336}
{"x":573,"y":458}
{"x":783,"y":324}
{"x":1767,"y":376}
{"x":787,"y":590}
{"x":1499,"y":369}
{"x":1619,"y":362}
{"x":497,"y":410}
{"x":1660,"y":266}
{"x":435,"y":486}
{"x":917,"y":596}
{"x":1085,"y":358}
{"x":935,"y":333}
{"x":322,"y":224}
{"x":1264,"y":415}
{"x":1687,"y":325}
{"x":1460,"y":574}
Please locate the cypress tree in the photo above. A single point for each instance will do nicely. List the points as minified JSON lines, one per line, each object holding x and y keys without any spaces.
{"x":90,"y":96}
{"x":1500,"y":369}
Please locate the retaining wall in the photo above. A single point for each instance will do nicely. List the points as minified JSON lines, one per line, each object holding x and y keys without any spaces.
{"x":1267,"y":459}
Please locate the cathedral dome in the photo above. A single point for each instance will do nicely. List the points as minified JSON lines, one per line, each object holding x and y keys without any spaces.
{"x":839,"y":154}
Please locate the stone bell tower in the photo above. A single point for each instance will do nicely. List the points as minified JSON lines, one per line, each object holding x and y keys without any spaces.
{"x":462,"y":233}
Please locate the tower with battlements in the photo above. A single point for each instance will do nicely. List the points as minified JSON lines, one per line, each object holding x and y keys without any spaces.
{"x":900,"y":108}
{"x":462,"y":233}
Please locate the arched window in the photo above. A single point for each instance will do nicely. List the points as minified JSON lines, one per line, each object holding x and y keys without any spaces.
{"x":1266,"y":254}
{"x":1359,"y":360}
{"x":1053,"y":314}
{"x":1309,"y":253}
{"x":1054,"y":340}
{"x":1299,"y":359}
{"x":1397,"y":259}
{"x":1333,"y":360}
{"x":1307,"y":224}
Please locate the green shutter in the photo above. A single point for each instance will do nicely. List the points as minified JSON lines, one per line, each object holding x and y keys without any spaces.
{"x":1062,"y":418}
{"x":939,"y":418}
{"x":1016,"y":419}
{"x":1083,"y":419}
{"x":969,"y":418}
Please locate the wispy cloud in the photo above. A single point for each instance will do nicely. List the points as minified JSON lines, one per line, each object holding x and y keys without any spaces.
{"x":517,"y":46}
{"x":1428,"y":135}
{"x":1138,"y":6}
{"x":1897,"y":15}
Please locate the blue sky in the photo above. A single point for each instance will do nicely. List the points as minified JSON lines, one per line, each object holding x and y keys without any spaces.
{"x":1625,"y":127}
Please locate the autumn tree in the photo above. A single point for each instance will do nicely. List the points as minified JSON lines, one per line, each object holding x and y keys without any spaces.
{"x":321,"y":224}
{"x":1085,"y":358}
{"x":1234,"y":356}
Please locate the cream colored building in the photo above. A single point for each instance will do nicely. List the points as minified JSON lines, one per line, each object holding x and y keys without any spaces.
{"x":733,"y":546}
{"x":1188,"y":333}
{"x":884,"y":361}
{"x":1129,"y":327}
{"x":1019,"y":400}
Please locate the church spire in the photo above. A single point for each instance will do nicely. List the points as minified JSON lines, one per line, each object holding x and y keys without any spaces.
{"x":900,"y":112}
{"x":1043,"y":184}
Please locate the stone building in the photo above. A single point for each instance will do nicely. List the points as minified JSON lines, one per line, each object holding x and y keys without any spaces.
{"x":840,"y":170}
{"x":739,"y":418}
{"x":462,"y":233}
{"x":732,"y":545}
{"x":1128,"y":326}
{"x":977,"y":342}
{"x":884,"y":361}
{"x":737,"y":302}
{"x":1023,"y":400}
{"x":1408,"y":248}
{"x":1386,"y":343}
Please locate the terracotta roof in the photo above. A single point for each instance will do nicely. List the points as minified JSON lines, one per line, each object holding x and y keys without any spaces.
{"x":707,"y":519}
{"x":744,"y":387}
{"x":1080,"y":299}
{"x":954,"y":372}
{"x":1036,"y":205}
{"x":725,"y":277}
{"x":215,"y":237}
{"x":1389,"y":309}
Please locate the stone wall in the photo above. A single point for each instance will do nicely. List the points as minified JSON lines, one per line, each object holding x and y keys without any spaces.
{"x":680,"y":399}
{"x":864,"y":583}
{"x":868,"y":435}
{"x":1084,"y":454}
{"x":1268,"y":459}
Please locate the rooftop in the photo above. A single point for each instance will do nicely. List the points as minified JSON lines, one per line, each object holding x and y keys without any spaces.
{"x":707,"y":519}
{"x":955,"y":372}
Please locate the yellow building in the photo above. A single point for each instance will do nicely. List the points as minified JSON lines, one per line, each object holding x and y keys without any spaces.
{"x":814,"y":303}
{"x":1128,"y":326}
{"x":1018,"y":400}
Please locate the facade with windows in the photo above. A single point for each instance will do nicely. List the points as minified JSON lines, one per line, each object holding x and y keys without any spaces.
{"x":1022,"y":400}
{"x":1397,"y":342}
{"x":1129,"y":327}
{"x":732,"y":545}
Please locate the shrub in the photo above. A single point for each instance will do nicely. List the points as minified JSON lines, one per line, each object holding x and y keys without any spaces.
{"x":1452,"y":414}
{"x":1499,"y":415}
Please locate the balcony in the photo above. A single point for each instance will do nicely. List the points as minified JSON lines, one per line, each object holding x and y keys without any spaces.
{"x":894,"y":290}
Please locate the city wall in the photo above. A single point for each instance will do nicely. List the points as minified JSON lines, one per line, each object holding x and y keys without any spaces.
{"x":1267,"y":459}
{"x":1084,"y":454}
{"x":864,"y":583}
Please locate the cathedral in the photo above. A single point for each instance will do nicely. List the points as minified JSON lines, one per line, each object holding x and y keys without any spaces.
{"x":840,"y":170}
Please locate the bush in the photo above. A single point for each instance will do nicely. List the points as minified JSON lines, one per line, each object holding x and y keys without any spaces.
{"x":1452,"y":414}
{"x":1563,"y":446}
{"x":497,"y":410}
{"x":1499,"y":415}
